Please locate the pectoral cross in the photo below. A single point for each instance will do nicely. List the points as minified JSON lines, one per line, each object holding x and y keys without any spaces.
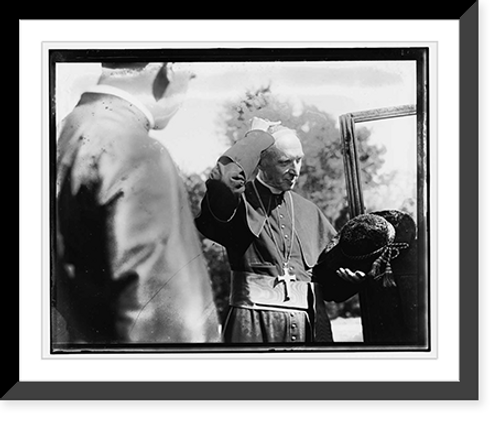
{"x":286,"y":278}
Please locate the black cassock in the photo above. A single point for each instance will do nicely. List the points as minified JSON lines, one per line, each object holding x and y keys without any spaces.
{"x":272,"y":241}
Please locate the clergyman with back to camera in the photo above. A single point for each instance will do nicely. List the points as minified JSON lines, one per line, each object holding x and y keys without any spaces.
{"x":130,"y":267}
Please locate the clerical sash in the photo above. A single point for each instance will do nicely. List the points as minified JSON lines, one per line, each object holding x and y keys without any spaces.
{"x":250,"y":290}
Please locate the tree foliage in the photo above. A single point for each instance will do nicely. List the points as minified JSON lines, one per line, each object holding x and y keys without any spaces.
{"x":214,"y":254}
{"x":322,"y":173}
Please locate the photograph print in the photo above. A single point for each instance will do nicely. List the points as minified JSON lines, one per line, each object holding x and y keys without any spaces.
{"x":226,"y":200}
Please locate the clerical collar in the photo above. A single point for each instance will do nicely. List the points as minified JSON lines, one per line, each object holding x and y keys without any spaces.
{"x":117,"y":92}
{"x":273,"y":190}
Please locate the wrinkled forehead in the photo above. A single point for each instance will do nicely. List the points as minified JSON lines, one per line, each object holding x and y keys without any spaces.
{"x":287,"y":144}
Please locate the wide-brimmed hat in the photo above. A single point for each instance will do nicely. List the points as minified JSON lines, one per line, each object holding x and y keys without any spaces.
{"x":368,"y":243}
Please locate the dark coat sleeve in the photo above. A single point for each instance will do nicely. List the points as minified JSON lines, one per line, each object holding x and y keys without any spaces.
{"x":333,"y":287}
{"x":227,"y":183}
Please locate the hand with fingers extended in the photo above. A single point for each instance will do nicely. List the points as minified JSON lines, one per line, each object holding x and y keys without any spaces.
{"x":355,"y":277}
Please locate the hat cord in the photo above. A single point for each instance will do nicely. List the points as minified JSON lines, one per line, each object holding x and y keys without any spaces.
{"x":382,"y":268}
{"x":391,"y":234}
{"x":368,"y":255}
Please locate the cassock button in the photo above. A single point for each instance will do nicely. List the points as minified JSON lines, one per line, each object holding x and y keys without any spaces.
{"x":294,"y":338}
{"x":282,"y":226}
{"x":281,"y":215}
{"x":294,"y":326}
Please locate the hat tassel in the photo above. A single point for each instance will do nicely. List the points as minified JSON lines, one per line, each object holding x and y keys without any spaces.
{"x":385,"y":259}
{"x":388,"y":277}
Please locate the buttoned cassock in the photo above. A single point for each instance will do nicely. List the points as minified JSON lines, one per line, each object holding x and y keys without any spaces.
{"x":257,"y":235}
{"x":129,"y":263}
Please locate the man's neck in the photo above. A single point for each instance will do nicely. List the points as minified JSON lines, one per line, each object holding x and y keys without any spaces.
{"x":272,"y":189}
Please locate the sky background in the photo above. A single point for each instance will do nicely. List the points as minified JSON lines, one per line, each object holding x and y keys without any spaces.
{"x":194,"y":136}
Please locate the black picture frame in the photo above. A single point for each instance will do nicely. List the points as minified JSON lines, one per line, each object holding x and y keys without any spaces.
{"x":466,"y":388}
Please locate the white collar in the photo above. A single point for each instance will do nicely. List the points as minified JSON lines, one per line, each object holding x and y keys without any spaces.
{"x":111,"y":90}
{"x":273,"y":190}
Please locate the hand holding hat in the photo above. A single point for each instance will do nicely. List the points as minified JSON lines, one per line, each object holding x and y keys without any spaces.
{"x":366,"y":244}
